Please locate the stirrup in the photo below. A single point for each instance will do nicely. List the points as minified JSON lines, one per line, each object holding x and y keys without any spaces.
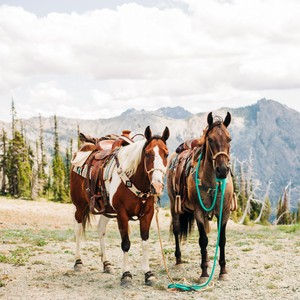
{"x":178,"y":208}
{"x":95,"y":207}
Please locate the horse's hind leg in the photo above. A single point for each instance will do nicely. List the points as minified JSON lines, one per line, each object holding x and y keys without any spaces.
{"x":102,"y":224}
{"x":176,"y":232}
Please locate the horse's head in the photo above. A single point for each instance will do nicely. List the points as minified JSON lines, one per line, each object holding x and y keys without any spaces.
{"x":217,"y":140}
{"x":155,"y":155}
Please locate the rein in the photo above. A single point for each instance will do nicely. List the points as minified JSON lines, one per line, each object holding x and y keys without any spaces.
{"x":222,"y":184}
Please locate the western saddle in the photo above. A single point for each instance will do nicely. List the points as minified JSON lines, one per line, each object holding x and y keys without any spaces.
{"x":103,"y":150}
{"x":186,"y":152}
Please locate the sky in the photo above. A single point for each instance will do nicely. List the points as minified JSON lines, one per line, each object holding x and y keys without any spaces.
{"x":97,"y":58}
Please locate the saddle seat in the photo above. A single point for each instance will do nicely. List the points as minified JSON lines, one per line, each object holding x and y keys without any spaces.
{"x":106,"y":144}
{"x":190,"y":144}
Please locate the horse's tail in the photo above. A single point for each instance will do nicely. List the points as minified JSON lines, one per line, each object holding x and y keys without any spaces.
{"x":86,"y":219}
{"x":187,"y":221}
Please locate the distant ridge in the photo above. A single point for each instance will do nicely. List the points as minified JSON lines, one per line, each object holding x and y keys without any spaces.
{"x":268,"y":129}
{"x":177,"y":112}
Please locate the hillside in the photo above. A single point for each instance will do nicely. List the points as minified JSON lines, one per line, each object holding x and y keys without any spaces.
{"x":267,"y":127}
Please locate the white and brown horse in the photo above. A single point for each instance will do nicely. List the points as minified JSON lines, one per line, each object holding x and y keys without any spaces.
{"x":215,"y":148}
{"x":144,"y":165}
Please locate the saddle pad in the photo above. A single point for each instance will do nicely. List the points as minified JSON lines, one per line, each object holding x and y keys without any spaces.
{"x":173,"y":163}
{"x":82,"y":171}
{"x":80,"y":158}
{"x":108,"y":171}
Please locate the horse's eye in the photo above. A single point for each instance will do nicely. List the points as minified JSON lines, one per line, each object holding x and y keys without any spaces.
{"x":147,"y":155}
{"x":229,"y":140}
{"x":210,"y":140}
{"x":166,"y":155}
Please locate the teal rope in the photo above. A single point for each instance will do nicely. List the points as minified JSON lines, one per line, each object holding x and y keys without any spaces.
{"x":223,"y":185}
{"x":199,"y":196}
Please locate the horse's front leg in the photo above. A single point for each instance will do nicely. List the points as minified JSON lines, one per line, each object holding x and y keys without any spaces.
{"x":203,"y":241}
{"x":125,"y":245}
{"x":145,"y":223}
{"x":102,"y":224}
{"x":222,"y":262}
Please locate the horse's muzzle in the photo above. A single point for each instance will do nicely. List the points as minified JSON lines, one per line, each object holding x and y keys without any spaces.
{"x":157,"y":189}
{"x":222,"y":171}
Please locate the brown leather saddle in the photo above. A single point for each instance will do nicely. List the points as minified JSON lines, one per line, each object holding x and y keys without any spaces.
{"x":186,"y":154}
{"x":103,"y":150}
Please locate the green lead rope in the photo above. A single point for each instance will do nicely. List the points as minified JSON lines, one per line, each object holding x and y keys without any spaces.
{"x":223,"y":185}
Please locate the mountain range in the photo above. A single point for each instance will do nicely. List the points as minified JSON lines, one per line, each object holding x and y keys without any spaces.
{"x":267,"y":129}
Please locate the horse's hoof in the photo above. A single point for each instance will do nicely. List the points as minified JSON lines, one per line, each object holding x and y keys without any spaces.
{"x":203,"y":279}
{"x":224,"y":277}
{"x":107,"y":267}
{"x":78,"y":265}
{"x":149,"y":278}
{"x":126,"y":279}
{"x":179,"y":266}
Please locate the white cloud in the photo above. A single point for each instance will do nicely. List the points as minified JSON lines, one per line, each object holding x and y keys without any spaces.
{"x":49,"y":94}
{"x":147,"y":57}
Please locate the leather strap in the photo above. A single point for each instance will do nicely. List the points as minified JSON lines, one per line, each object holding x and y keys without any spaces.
{"x":128,"y":183}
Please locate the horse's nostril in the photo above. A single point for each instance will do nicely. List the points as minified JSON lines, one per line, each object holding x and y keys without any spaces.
{"x":152,"y":189}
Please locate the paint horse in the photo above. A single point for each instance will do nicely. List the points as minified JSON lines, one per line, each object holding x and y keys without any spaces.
{"x":214,"y":146}
{"x":143,"y":164}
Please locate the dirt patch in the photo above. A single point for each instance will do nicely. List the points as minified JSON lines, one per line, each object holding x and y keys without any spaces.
{"x":37,"y":256}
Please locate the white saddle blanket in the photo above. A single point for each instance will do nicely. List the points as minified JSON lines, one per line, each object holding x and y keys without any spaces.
{"x":80,"y":158}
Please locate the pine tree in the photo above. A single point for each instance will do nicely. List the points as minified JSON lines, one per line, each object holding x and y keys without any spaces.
{"x":283,"y":215}
{"x":20,"y":165}
{"x":58,"y":187}
{"x":43,"y":163}
{"x":4,"y":159}
{"x":298,"y":212}
{"x":267,"y":211}
{"x":13,"y":156}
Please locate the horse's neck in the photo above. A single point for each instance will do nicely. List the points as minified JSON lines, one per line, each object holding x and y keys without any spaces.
{"x":140,"y":178}
{"x":207,"y":172}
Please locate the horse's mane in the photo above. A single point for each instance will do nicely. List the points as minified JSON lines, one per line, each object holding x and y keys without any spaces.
{"x":130,"y":157}
{"x":217,"y":122}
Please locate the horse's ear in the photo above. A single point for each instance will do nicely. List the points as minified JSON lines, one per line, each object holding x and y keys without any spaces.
{"x":210,"y":119}
{"x":166,"y":134}
{"x":227,"y":119}
{"x":148,"y":133}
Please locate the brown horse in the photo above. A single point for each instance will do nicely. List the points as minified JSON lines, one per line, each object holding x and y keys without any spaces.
{"x":215,"y":148}
{"x":144,"y":165}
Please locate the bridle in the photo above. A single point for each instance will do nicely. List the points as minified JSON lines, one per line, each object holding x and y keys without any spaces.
{"x":152,"y":170}
{"x":214,"y":156}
